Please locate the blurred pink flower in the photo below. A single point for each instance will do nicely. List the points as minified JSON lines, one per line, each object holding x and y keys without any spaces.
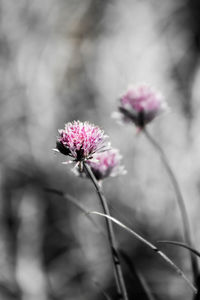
{"x":106,"y":164}
{"x":81,"y":140}
{"x":141,"y":104}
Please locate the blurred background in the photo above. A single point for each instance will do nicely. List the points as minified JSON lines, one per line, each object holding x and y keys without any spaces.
{"x":65,"y":60}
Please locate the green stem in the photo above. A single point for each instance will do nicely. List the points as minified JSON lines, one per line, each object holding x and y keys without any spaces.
{"x":111,"y":237}
{"x":180,"y":202}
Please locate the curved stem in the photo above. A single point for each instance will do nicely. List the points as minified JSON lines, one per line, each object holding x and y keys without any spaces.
{"x":150,"y":245}
{"x":136,"y":275}
{"x":78,"y":205}
{"x":111,"y":237}
{"x":180,"y":202}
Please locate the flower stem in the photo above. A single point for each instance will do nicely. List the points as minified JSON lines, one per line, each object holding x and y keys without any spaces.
{"x":150,"y":245}
{"x":121,"y":288}
{"x":180,"y":202}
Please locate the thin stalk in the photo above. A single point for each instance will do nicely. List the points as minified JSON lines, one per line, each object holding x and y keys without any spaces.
{"x":150,"y":245}
{"x":121,"y":288}
{"x":180,"y":202}
{"x":124,"y":256}
{"x":79,"y":206}
{"x":106,"y":296}
{"x":181,"y":245}
{"x":138,"y":278}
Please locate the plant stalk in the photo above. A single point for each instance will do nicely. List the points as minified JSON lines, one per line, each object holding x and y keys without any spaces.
{"x":121,"y":288}
{"x":150,"y":245}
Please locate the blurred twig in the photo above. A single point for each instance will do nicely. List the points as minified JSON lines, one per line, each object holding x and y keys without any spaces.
{"x":141,"y":282}
{"x":107,"y":297}
{"x":78,"y":205}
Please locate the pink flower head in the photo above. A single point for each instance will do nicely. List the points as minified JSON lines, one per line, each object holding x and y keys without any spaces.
{"x":106,"y":164}
{"x":141,"y":104}
{"x":81,"y":140}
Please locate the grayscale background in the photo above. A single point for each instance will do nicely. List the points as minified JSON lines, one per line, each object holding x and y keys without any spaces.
{"x":65,"y":60}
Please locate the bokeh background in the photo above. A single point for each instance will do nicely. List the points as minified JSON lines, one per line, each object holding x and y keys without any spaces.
{"x":63,"y":60}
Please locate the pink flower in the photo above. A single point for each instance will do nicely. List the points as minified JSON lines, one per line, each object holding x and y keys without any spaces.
{"x":141,"y":104}
{"x":106,"y":164}
{"x":81,"y":140}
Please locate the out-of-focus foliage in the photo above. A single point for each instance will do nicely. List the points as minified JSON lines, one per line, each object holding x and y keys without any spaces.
{"x":67,"y":60}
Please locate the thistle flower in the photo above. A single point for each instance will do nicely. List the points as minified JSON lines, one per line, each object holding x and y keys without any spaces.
{"x":107,"y":164}
{"x":81,"y":140}
{"x":141,"y":104}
